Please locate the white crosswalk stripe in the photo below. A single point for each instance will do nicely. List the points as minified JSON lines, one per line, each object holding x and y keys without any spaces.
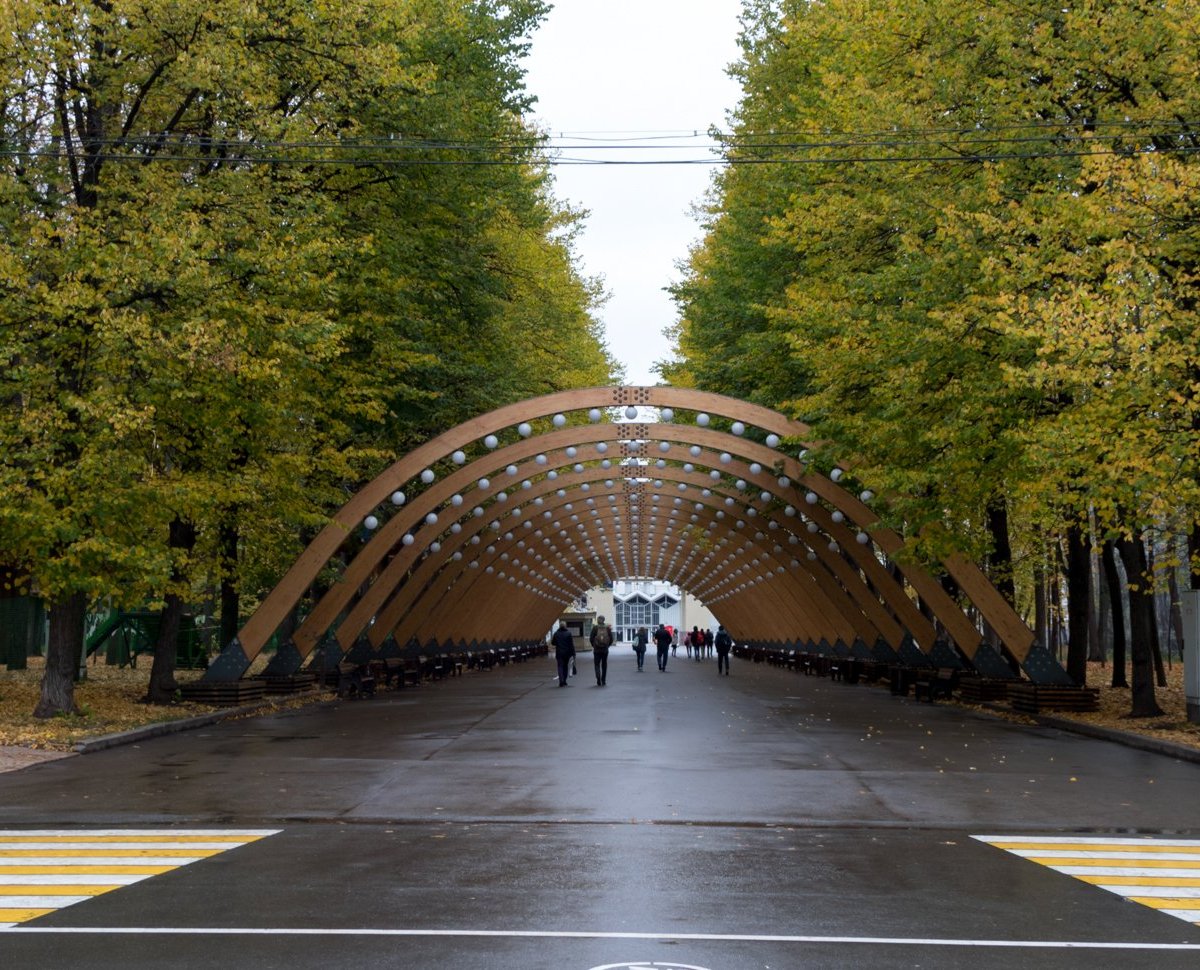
{"x":44,"y":870}
{"x":1163,"y":874}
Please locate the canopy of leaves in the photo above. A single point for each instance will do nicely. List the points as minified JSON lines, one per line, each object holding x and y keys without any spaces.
{"x":251,"y":252}
{"x":960,"y":240}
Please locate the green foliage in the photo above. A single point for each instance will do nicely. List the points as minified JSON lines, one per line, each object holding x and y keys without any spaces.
{"x":960,"y":241}
{"x":229,"y":294}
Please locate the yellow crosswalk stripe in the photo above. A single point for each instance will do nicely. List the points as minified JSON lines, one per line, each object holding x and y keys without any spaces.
{"x":10,"y":916}
{"x":108,"y":853}
{"x":101,"y":839}
{"x":1139,"y":847}
{"x":1140,"y":880}
{"x":1162,"y":874}
{"x":1167,"y":902}
{"x":113,"y":870}
{"x":1132,"y":862}
{"x":42,"y":871}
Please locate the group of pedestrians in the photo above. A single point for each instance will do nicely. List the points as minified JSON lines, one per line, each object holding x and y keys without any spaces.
{"x":699,"y":644}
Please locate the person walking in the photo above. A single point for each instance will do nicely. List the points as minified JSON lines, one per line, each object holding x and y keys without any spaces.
{"x":696,"y":639}
{"x":601,"y":639}
{"x":640,"y":639}
{"x":724,"y":643}
{"x":708,"y":643}
{"x":564,"y":651}
{"x":662,"y":641}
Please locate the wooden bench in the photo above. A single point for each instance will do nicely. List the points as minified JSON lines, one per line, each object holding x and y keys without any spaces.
{"x":939,"y":683}
{"x":901,"y":678}
{"x":391,"y":671}
{"x":355,"y":680}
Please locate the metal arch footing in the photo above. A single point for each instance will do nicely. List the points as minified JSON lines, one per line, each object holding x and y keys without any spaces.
{"x":1042,"y":668}
{"x":883,"y":652}
{"x":229,"y":666}
{"x":944,"y":655}
{"x":989,"y":663}
{"x":287,"y":661}
{"x":911,"y":654}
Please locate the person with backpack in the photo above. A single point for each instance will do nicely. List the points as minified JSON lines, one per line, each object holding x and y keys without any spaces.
{"x":724,"y":643}
{"x":602,"y":639}
{"x":696,"y":639}
{"x":640,"y":639}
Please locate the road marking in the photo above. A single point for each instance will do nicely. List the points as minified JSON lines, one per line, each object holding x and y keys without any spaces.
{"x":44,"y":871}
{"x":589,"y":935}
{"x":1162,"y":874}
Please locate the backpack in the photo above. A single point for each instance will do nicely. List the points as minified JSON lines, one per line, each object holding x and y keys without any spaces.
{"x":604,"y":636}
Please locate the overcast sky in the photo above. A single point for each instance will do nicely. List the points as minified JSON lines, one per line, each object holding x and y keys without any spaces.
{"x":621,"y":69}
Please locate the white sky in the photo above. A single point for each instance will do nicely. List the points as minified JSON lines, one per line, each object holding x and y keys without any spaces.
{"x":632,"y":68}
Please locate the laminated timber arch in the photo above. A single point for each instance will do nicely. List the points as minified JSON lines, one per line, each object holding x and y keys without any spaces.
{"x":489,"y":530}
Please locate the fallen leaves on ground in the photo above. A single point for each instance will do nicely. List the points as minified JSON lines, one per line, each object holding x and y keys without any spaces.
{"x":109,"y":701}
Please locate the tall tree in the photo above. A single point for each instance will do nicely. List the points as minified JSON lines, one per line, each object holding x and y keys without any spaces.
{"x":245,"y":266}
{"x":986,"y":224}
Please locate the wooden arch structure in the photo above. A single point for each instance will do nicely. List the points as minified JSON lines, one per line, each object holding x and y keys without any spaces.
{"x":484,"y":534}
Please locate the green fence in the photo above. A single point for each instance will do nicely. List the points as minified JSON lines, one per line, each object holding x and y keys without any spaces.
{"x":124,"y":634}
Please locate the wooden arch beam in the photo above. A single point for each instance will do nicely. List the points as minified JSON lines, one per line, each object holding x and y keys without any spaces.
{"x":372,"y":563}
{"x":403,"y":604}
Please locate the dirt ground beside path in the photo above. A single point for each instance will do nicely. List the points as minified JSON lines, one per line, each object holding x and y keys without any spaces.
{"x":110,"y":702}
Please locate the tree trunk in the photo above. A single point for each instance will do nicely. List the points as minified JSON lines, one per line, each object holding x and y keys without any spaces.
{"x":1116,"y":598}
{"x":1079,"y":566}
{"x":1000,"y":559}
{"x":1160,"y":672}
{"x":162,"y":686}
{"x":1176,"y":621}
{"x":230,"y":600}
{"x":1054,"y":595}
{"x":1096,"y":645}
{"x":1194,"y":555}
{"x":1142,"y":628}
{"x":1103,"y":610}
{"x":66,"y":632}
{"x":1041,"y":618}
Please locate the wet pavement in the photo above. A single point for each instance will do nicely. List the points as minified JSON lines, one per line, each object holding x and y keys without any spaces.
{"x":670,"y":820}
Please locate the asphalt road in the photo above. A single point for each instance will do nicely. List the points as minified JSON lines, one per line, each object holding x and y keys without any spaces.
{"x":669,"y":820}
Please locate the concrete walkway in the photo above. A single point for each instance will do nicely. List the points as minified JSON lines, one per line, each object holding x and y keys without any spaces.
{"x":674,"y":820}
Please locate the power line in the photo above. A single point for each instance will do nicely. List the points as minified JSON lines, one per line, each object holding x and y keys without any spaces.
{"x":366,"y":162}
{"x":887,"y":146}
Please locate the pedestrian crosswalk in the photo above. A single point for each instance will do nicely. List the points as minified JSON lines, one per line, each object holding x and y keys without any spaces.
{"x":1163,"y":874}
{"x":41,"y":871}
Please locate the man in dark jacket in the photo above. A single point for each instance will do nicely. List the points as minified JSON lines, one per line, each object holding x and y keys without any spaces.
{"x":639,"y":645}
{"x":601,"y":639}
{"x":564,"y":650}
{"x":724,"y":643}
{"x":662,"y":640}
